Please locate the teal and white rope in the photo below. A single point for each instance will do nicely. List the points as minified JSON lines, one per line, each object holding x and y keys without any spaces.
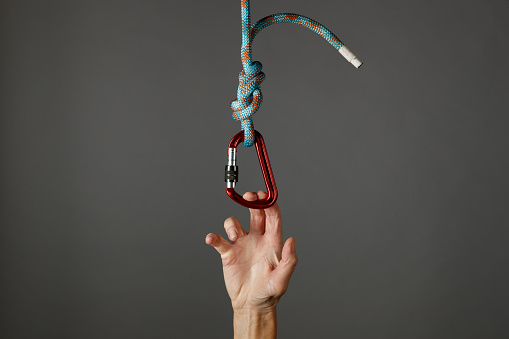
{"x":249,"y":95}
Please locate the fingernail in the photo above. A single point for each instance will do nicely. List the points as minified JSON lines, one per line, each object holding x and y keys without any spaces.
{"x":233,"y":234}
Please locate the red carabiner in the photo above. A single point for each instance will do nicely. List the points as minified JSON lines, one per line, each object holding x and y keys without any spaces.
{"x":231,"y":172}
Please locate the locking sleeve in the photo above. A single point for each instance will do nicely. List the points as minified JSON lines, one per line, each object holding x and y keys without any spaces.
{"x":231,"y":175}
{"x":231,"y":170}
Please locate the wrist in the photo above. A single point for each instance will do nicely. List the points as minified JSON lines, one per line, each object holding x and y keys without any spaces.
{"x":254,"y":311}
{"x":255,"y":323}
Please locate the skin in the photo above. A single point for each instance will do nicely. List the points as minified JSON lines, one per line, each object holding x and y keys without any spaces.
{"x":257,"y":268}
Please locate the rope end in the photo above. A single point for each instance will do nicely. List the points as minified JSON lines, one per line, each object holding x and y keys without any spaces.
{"x":348,"y":54}
{"x":356,"y":62}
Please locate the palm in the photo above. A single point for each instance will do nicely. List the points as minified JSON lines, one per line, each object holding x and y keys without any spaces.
{"x":248,"y":271}
{"x":257,"y":267}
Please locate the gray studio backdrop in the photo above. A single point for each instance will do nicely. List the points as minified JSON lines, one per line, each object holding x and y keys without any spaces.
{"x":393,"y":178}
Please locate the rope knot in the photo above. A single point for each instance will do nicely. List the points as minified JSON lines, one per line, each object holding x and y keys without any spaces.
{"x":249,"y":99}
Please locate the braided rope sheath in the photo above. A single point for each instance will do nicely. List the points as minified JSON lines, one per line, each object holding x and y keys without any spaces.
{"x":249,"y":95}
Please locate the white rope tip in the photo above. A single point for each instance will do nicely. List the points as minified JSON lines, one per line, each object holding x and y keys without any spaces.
{"x":356,"y":62}
{"x":348,"y":54}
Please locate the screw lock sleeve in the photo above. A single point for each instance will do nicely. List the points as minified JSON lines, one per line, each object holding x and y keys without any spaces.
{"x":231,"y":173}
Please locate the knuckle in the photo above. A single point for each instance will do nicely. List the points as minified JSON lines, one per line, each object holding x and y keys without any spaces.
{"x":227,"y":259}
{"x":257,"y":214}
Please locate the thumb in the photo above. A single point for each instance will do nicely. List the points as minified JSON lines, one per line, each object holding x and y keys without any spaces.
{"x":286,"y":266}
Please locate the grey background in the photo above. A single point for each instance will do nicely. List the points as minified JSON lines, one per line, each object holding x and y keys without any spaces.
{"x":393,"y":178}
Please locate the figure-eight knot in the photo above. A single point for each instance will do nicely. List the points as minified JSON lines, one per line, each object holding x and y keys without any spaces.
{"x":249,"y":99}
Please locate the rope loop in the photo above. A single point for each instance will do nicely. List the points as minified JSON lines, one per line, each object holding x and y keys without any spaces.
{"x":249,"y":99}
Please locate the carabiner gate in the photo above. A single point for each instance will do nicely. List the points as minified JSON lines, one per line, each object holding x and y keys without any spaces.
{"x":231,"y":172}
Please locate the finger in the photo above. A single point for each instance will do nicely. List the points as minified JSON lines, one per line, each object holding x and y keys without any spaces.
{"x":233,"y":228}
{"x":286,"y":266}
{"x":218,"y":242}
{"x":273,"y":224}
{"x":257,"y":223}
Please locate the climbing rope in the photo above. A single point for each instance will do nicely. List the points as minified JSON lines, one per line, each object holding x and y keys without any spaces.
{"x":249,"y":95}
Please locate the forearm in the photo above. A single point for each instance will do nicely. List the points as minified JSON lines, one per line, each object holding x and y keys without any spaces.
{"x":251,"y":324}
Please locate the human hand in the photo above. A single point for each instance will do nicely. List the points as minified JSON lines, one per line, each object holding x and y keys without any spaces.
{"x":256,"y":266}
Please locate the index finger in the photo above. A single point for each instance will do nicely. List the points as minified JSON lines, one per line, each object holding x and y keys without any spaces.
{"x":273,"y":224}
